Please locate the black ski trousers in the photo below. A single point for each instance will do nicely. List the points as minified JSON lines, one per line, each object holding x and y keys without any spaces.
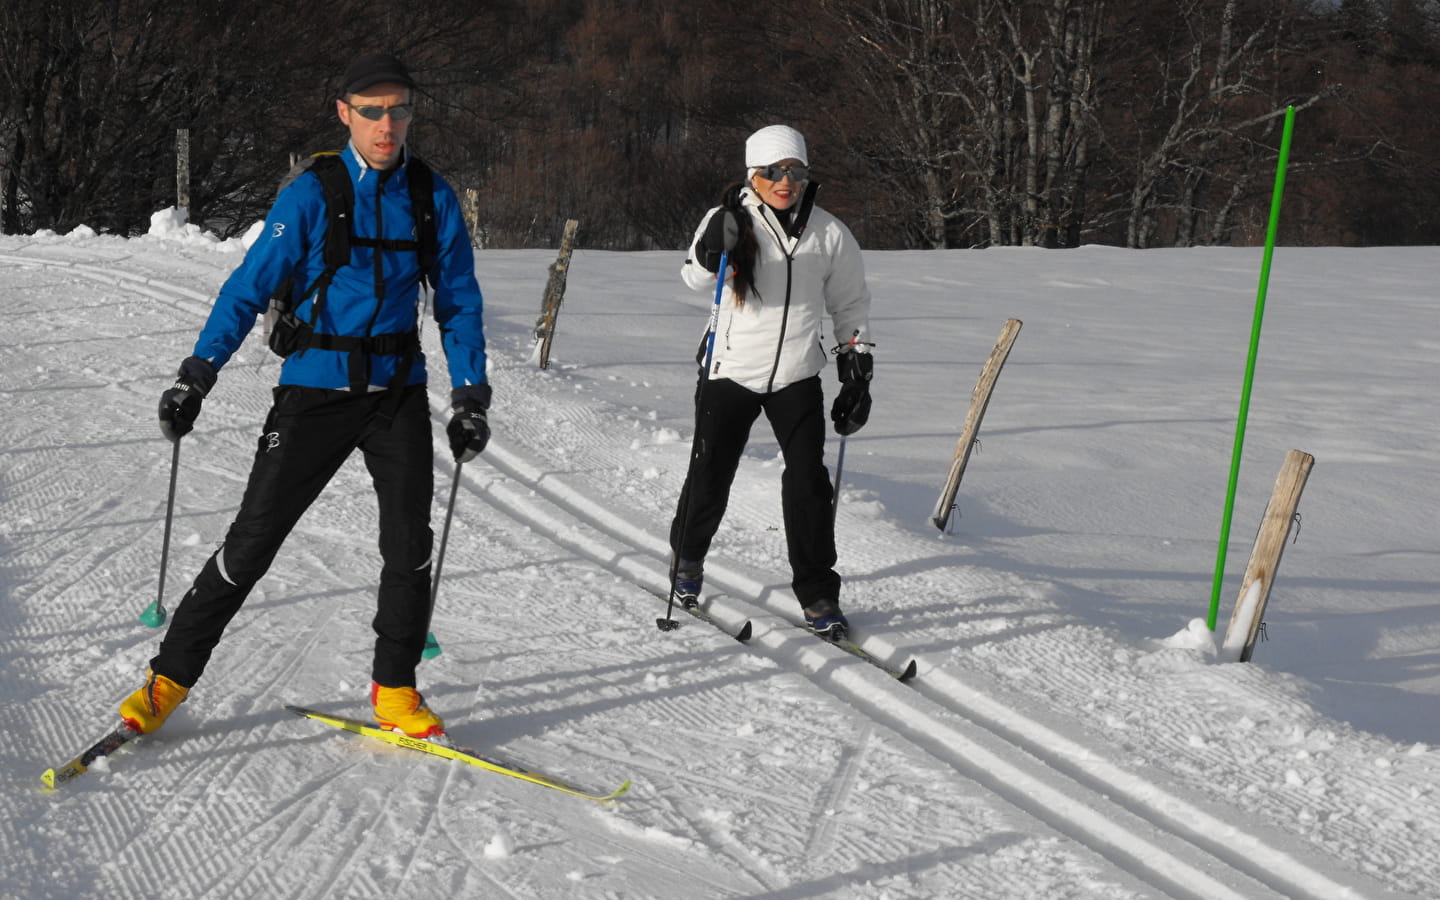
{"x":308,"y":434}
{"x":725,"y":411}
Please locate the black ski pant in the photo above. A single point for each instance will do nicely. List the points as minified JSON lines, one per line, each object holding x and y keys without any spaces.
{"x":725,"y":411}
{"x":308,"y":434}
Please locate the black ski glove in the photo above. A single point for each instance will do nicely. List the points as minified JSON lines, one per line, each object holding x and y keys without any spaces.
{"x":469,"y":428}
{"x":180,"y":405}
{"x":721,"y":235}
{"x":851,"y":409}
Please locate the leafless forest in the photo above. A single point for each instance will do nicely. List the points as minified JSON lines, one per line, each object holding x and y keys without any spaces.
{"x":931,"y":123}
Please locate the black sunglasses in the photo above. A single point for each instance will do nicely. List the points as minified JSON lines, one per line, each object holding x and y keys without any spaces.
{"x":777,"y":172}
{"x":399,"y":112}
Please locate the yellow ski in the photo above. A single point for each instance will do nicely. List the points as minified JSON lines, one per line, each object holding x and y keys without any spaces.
{"x":460,"y":754}
{"x":107,"y":745}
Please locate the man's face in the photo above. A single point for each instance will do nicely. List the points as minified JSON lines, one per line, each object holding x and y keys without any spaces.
{"x":378,"y":140}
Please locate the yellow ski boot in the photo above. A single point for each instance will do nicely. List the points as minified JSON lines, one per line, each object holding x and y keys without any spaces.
{"x":403,"y":709}
{"x":148,"y":708}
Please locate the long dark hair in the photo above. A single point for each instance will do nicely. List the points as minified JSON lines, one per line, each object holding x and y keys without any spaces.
{"x":747,"y":251}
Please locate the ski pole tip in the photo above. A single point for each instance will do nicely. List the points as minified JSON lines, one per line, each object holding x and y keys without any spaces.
{"x":153,"y":616}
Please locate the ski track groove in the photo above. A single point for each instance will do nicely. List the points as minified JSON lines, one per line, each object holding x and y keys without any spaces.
{"x":437,"y":822}
{"x":760,"y":871}
{"x":683,"y":871}
{"x":376,"y":851}
{"x":832,"y":800}
{"x":431,"y":819}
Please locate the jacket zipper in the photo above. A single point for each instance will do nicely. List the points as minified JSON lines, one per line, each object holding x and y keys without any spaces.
{"x":379,"y":270}
{"x":785,"y":313}
{"x":379,"y":255}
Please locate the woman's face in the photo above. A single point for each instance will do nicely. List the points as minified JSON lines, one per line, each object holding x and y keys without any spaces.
{"x":784,"y":193}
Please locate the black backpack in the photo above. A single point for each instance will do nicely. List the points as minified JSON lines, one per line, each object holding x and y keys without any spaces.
{"x":288,"y":333}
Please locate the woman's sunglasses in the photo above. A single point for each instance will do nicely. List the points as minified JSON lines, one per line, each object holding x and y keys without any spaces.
{"x":777,"y":172}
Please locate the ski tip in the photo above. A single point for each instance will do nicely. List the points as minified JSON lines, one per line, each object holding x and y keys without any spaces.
{"x":744,"y":633}
{"x":48,"y":780}
{"x":908,"y":672}
{"x":610,"y":798}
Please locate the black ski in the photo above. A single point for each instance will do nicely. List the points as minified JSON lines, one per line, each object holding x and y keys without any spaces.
{"x":901,"y":674}
{"x":742,"y":634}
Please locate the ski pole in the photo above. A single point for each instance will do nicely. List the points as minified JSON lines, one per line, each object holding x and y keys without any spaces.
{"x":432,"y":646}
{"x":668,"y":623}
{"x":154,"y":614}
{"x":840,"y":458}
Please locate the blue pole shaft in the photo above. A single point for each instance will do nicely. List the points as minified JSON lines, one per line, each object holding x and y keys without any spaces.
{"x":668,"y":623}
{"x":715,"y":311}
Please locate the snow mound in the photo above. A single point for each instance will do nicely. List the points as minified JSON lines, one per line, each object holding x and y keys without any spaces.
{"x":1194,"y":636}
{"x":173,"y":224}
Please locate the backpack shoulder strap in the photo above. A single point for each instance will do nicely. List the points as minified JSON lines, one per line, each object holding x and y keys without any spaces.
{"x":422,"y":204}
{"x":339,"y":201}
{"x":339,"y":206}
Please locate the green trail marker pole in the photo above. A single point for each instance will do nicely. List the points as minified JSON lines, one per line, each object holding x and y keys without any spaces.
{"x":1250,"y":365}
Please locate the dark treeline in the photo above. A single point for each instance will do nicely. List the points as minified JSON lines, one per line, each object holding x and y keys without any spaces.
{"x":931,"y":123}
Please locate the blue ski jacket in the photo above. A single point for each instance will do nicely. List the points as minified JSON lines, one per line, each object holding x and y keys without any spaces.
{"x":293,"y":242}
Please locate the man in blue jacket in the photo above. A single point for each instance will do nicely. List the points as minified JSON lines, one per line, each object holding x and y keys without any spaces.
{"x":354,"y":379}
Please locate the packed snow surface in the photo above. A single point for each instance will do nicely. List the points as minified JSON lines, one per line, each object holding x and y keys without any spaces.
{"x":1072,"y":732}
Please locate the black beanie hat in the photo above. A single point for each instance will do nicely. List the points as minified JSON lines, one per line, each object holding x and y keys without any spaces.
{"x":377,"y":68}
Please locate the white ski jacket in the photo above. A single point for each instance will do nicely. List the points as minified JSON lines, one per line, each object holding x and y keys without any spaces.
{"x":778,"y":336}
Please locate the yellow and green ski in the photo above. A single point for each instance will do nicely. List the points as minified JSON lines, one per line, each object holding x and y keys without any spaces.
{"x":459,"y":754}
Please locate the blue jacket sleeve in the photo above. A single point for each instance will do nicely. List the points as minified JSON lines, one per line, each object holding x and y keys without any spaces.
{"x":246,"y":293}
{"x":459,"y":306}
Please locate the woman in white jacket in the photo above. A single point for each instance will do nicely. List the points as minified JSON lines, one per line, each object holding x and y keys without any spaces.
{"x":789,"y":265}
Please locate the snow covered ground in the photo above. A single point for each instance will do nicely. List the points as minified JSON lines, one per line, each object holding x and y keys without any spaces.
{"x":1070,"y":734}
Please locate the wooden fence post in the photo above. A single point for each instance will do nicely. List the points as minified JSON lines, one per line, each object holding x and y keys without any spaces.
{"x":979,"y":400}
{"x":471,"y":211}
{"x":554,"y":293}
{"x":182,"y":170}
{"x":1245,"y":621}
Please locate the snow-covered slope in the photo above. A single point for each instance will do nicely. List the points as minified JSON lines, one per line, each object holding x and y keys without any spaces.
{"x":1070,"y":734}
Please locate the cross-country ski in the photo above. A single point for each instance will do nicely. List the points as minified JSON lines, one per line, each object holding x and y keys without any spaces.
{"x":442,"y":748}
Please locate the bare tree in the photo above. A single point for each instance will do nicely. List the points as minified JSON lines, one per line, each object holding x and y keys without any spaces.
{"x":936,"y":123}
{"x":1046,"y":50}
{"x":1202,"y":118}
